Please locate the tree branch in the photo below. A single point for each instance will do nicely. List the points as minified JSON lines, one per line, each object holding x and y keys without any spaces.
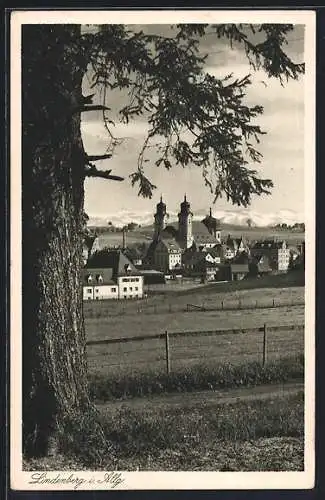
{"x":92,"y":107}
{"x":98,"y":157}
{"x":92,"y":171}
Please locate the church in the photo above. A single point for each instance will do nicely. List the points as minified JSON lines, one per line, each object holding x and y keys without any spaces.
{"x":172,"y":242}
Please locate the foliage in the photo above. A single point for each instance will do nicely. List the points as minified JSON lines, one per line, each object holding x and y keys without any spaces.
{"x":199,"y":377}
{"x":139,"y":430}
{"x":257,"y":435}
{"x":194,"y":117}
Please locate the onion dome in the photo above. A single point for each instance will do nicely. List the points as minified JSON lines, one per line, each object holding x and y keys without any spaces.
{"x":185,"y":206}
{"x":161,"y":206}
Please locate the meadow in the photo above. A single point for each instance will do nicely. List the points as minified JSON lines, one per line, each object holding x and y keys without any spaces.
{"x":147,"y":355}
{"x":260,"y":434}
{"x":144,"y":234}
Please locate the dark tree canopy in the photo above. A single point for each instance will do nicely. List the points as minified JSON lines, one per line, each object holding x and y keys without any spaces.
{"x":194,"y":118}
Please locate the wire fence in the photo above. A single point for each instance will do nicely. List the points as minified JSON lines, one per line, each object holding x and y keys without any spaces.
{"x":97,"y":309}
{"x":172,"y":351}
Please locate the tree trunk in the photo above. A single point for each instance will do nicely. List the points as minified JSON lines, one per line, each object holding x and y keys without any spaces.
{"x":54,"y":358}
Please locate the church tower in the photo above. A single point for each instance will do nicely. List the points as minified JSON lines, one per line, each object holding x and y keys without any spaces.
{"x":213,"y":226}
{"x":185,"y":218}
{"x":160,"y":219}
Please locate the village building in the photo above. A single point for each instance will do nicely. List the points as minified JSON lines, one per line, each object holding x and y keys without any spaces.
{"x":277,"y":252}
{"x":135,"y":255}
{"x":234,"y":247}
{"x":201,"y":264}
{"x":167,"y":255}
{"x":111,"y":275}
{"x":260,"y":266}
{"x":237,"y":271}
{"x":171,"y":242}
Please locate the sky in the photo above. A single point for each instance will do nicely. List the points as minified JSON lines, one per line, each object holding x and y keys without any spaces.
{"x":282,"y":147}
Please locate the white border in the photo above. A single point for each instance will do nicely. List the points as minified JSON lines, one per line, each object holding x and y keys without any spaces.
{"x":163,"y":480}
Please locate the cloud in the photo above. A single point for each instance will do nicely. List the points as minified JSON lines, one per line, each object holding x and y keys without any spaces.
{"x":282,"y":148}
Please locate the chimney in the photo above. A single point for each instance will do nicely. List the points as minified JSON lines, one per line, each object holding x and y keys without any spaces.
{"x":124,"y":239}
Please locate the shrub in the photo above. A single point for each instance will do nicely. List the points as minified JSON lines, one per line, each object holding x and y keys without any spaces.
{"x":200,"y":377}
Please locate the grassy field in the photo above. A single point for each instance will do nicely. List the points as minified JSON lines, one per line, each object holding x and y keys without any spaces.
{"x":144,"y":234}
{"x":203,"y":377}
{"x":215,"y":295}
{"x":149,"y":355}
{"x":209,"y":436}
{"x":261,"y":434}
{"x":143,"y":356}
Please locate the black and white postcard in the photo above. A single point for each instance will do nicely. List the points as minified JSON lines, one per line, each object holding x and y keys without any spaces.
{"x":162,"y":168}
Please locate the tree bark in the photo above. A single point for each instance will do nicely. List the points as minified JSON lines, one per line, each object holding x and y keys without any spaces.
{"x":54,"y":358}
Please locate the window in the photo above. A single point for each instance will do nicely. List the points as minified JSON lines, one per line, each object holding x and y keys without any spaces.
{"x":89,"y":279}
{"x":124,"y":297}
{"x":124,"y":289}
{"x":136,"y":289}
{"x":136,"y":279}
{"x":97,"y":290}
{"x":89,"y":290}
{"x":113,"y":289}
{"x":131,"y":288}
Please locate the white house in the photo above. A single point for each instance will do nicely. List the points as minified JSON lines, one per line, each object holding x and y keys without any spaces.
{"x":98,"y":284}
{"x":117,"y":279}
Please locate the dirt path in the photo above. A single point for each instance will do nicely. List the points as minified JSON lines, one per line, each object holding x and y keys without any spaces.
{"x":218,"y":397}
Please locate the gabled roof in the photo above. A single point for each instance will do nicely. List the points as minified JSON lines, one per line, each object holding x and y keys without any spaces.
{"x":242,"y":258}
{"x":263,"y":263}
{"x":118,"y":262}
{"x":217,"y":250}
{"x":133,"y":253}
{"x":95,"y":274}
{"x":170,"y":244}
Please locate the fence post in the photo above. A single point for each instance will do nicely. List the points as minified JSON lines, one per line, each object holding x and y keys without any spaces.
{"x":264,"y":345}
{"x":167,"y":352}
{"x":222,"y":304}
{"x":239,"y":304}
{"x":273,"y":302}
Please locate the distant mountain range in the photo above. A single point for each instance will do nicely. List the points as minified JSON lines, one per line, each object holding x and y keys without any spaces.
{"x":226,"y":217}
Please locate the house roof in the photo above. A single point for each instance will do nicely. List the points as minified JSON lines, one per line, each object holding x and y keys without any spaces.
{"x":268,"y":244}
{"x":263,"y":263}
{"x":217,"y":250}
{"x":194,"y":258}
{"x":95,"y":273}
{"x":200,"y":232}
{"x":133,"y":253}
{"x":170,"y":244}
{"x":118,"y":262}
{"x":239,"y":268}
{"x":242,"y":258}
